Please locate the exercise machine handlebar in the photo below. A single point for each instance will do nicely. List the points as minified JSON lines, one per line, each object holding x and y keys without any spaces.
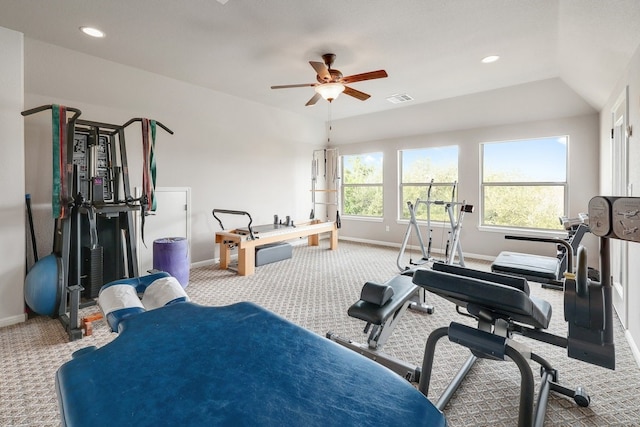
{"x":77,"y":114}
{"x":139,"y":119}
{"x":49,"y":107}
{"x":233,"y":212}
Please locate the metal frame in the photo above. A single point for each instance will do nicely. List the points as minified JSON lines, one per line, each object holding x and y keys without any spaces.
{"x":68,"y":231}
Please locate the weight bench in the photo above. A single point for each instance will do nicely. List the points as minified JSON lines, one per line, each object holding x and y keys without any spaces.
{"x":382,"y":306}
{"x":543,"y":269}
{"x":502,"y":306}
{"x":186,"y":364}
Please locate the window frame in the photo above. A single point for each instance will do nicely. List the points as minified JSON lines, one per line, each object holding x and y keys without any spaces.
{"x":401,"y":203}
{"x":344,"y":185}
{"x":482,"y":225}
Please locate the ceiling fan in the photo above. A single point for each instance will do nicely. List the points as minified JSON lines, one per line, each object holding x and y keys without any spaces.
{"x":332,"y":83}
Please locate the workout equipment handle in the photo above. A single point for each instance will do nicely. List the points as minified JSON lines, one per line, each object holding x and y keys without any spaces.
{"x":138,"y":119}
{"x":49,"y":107}
{"x":549,"y":240}
{"x":232,"y":212}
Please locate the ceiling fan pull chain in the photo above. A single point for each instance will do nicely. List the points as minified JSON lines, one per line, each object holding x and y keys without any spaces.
{"x":330,"y":126}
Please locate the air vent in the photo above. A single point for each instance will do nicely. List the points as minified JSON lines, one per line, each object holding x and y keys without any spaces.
{"x":399,"y":98}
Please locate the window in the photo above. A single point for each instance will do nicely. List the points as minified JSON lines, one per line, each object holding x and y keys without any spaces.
{"x":362,"y":185}
{"x":418,"y":168}
{"x":524,"y":183}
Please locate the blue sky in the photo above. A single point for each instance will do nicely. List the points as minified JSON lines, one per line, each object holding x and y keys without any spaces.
{"x":543,"y":159}
{"x":438,"y":155}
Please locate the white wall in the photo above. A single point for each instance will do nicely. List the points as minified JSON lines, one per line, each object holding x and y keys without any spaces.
{"x":12,"y":209}
{"x":631,"y":77}
{"x":583,"y":181}
{"x":232,"y":153}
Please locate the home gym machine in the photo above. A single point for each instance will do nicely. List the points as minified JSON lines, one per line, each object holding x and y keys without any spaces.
{"x":453,"y":246}
{"x":382,"y":305}
{"x":547,"y":270}
{"x":504,"y":309}
{"x":325,"y":184}
{"x":94,"y":241}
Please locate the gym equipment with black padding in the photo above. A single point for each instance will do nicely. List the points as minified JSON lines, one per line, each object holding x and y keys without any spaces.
{"x":94,"y":229}
{"x":503,"y":308}
{"x":382,"y":306}
{"x":186,"y":364}
{"x":544,"y":269}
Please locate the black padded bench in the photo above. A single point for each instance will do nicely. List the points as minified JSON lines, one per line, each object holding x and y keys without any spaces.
{"x":531,"y":267}
{"x":382,"y":306}
{"x":537,"y":268}
{"x":379,"y":301}
{"x":503,"y":307}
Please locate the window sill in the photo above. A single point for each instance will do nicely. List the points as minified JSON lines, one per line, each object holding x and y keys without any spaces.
{"x":361,"y":218}
{"x":530,"y":232}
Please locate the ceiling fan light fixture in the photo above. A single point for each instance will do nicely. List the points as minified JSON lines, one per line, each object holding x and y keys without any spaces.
{"x":330,"y":91}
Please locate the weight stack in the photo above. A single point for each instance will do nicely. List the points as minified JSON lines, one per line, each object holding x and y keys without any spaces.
{"x":93,"y":280}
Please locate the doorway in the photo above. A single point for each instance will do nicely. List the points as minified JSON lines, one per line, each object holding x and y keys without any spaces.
{"x":170,"y":220}
{"x":620,"y":187}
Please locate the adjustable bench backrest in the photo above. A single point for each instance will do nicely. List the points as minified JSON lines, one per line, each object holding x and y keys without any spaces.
{"x":503,"y":296}
{"x":402,"y":289}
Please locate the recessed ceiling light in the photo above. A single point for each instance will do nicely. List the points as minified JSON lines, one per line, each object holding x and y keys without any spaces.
{"x":93,"y":32}
{"x":490,"y":59}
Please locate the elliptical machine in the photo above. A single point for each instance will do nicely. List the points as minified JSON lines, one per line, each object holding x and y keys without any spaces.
{"x":453,"y":246}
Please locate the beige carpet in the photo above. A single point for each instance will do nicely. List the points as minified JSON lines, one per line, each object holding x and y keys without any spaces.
{"x":314,"y":290}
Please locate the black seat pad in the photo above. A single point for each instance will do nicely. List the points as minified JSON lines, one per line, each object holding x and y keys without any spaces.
{"x":501,"y":300}
{"x":403,"y":289}
{"x":531,"y":266}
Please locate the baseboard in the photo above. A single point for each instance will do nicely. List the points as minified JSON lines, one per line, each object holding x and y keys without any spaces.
{"x":411,"y":247}
{"x":8,"y":321}
{"x":634,"y":348}
{"x":303,"y":241}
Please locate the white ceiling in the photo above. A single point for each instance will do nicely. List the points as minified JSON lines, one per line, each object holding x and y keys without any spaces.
{"x":431,"y":49}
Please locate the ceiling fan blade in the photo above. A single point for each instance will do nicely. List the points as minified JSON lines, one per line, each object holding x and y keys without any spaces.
{"x":321,"y":70}
{"x":288,"y":86}
{"x":356,"y":93}
{"x":313,"y":100}
{"x":365,"y":76}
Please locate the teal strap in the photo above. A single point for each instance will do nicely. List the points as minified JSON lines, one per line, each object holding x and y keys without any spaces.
{"x":55,"y":195}
{"x":152,"y":163}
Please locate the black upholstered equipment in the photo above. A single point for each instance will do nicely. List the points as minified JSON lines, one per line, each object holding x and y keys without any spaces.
{"x":531,"y":267}
{"x":379,"y":301}
{"x":503,"y":308}
{"x":505,"y":297}
{"x":537,"y":268}
{"x":381,"y":306}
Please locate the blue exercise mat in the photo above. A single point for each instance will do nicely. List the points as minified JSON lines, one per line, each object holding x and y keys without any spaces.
{"x":186,"y":364}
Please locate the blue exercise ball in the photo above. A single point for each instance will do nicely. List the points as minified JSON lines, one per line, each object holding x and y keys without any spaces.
{"x":43,"y":286}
